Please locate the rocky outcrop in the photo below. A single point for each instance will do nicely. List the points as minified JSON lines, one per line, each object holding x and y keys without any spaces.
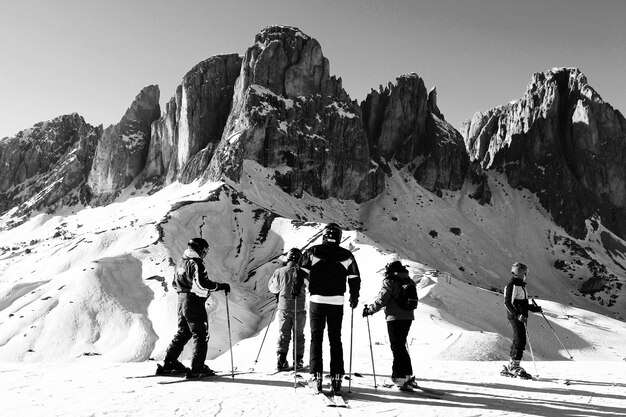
{"x":403,"y":123}
{"x":184,"y":139}
{"x":290,"y":115}
{"x":122,"y":151}
{"x":46,"y":165}
{"x":564,"y":143}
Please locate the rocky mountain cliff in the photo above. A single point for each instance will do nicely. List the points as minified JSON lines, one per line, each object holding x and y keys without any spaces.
{"x":122,"y":150}
{"x":46,"y":166}
{"x":278,"y":106}
{"x":185,"y":137}
{"x":403,"y":123}
{"x":562,"y":142}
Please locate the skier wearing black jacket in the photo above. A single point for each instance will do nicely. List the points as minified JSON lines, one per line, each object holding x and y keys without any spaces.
{"x":329,"y":266}
{"x":193,"y":285}
{"x":517,"y":308}
{"x":399,"y":322}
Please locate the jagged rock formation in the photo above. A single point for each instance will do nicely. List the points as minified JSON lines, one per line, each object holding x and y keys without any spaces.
{"x":403,"y":122}
{"x":289,"y":114}
{"x":46,"y":165}
{"x":122,"y":151}
{"x":562,"y":142}
{"x":185,"y":137}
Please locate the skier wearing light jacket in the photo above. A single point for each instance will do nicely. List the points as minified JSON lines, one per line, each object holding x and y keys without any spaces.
{"x":329,"y":267}
{"x":193,"y":286}
{"x":291,"y":308}
{"x":517,"y":308}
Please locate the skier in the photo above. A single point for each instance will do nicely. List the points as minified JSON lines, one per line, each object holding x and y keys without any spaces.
{"x":193,"y":285}
{"x":329,"y":266}
{"x":399,"y":319}
{"x":517,"y":307}
{"x":290,"y":316}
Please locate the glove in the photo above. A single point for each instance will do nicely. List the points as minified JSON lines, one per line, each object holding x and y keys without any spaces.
{"x":366,"y":311}
{"x":223,"y":286}
{"x":295,"y":293}
{"x":276,"y":296}
{"x":354,"y":301}
{"x":539,"y":309}
{"x":522,"y":318}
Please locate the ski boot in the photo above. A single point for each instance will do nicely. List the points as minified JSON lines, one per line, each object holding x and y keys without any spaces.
{"x":520,"y":372}
{"x":318,"y":379}
{"x":514,"y":370}
{"x":335,"y":383}
{"x":403,"y":384}
{"x":202,"y":372}
{"x":282,"y":364}
{"x":299,"y":362}
{"x":411,"y":381}
{"x":171,"y":368}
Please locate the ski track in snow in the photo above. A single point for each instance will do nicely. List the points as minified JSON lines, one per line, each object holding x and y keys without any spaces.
{"x":93,"y":388}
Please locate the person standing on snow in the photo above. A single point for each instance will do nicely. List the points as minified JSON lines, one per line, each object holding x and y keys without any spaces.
{"x":399,"y":318}
{"x":517,"y":307}
{"x":193,"y":285}
{"x":329,"y":266}
{"x":291,"y":308}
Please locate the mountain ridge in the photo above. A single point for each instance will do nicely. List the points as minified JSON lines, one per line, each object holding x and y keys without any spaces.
{"x":264,"y":175}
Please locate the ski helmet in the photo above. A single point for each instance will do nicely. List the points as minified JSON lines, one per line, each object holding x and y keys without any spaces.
{"x":198,"y":244}
{"x":519,"y":269}
{"x":332,"y":234}
{"x":294,"y":254}
{"x":394,"y":267}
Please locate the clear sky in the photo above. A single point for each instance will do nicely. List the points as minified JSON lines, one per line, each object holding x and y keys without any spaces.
{"x":93,"y":57}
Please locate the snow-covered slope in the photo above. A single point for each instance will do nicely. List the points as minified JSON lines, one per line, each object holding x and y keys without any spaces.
{"x":96,"y":281}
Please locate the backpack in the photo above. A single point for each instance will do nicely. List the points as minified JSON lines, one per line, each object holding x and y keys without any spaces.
{"x":407,"y":299}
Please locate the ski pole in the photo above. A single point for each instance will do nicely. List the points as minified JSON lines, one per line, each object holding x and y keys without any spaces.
{"x":553,"y":331}
{"x":230,"y":343}
{"x":295,"y":342}
{"x":532,"y":355}
{"x":371,"y":351}
{"x":265,"y":335}
{"x":350,"y":370}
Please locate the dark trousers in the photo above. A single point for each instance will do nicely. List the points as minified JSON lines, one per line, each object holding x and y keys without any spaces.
{"x":398,"y":331}
{"x":320,"y":315}
{"x":519,"y":339}
{"x":192,"y":324}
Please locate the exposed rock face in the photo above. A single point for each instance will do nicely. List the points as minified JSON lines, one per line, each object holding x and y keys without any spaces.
{"x":46,"y":165}
{"x":122,"y":151}
{"x":289,"y":114}
{"x":184,"y":139}
{"x":563,"y":142}
{"x":404,"y":122}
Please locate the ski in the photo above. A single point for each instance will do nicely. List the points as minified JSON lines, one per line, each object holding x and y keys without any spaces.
{"x":419,"y":393}
{"x":338,"y":400}
{"x":178,"y":375}
{"x":204,"y":378}
{"x":329,"y":399}
{"x":429,"y":390}
{"x":278,"y":371}
{"x":506,"y":373}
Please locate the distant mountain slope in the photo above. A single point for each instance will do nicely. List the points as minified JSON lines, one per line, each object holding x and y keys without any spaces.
{"x":75,"y":285}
